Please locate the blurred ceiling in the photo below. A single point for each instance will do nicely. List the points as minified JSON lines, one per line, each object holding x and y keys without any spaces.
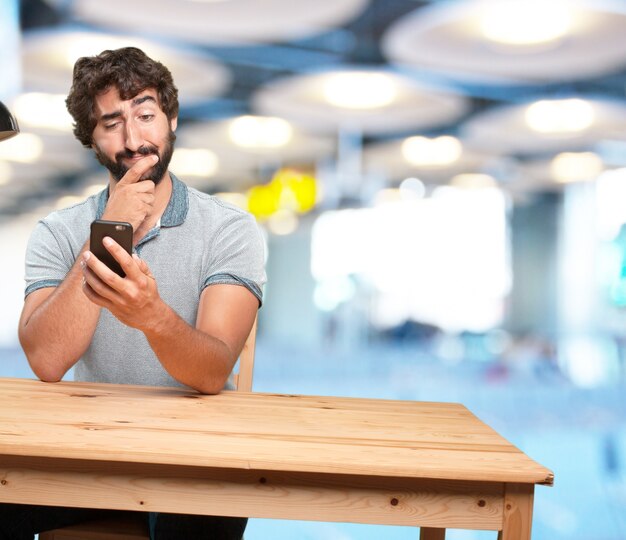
{"x":371,"y":92}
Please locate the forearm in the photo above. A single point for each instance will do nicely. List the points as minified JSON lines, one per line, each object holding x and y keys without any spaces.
{"x":200,"y":356}
{"x":58,"y":331}
{"x":191,"y":356}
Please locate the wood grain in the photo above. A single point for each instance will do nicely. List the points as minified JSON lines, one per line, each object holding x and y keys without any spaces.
{"x":518,"y":512}
{"x":264,"y":494}
{"x":237,"y":430}
{"x":428,"y":465}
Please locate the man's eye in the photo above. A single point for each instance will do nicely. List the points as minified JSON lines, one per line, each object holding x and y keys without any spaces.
{"x":146,"y":117}
{"x":111,"y":126}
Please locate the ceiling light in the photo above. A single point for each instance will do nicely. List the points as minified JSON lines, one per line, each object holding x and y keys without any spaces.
{"x":43,"y":110}
{"x":194,"y":162}
{"x":24,"y":148}
{"x":560,"y":116}
{"x":473,"y":181}
{"x":576,"y":167}
{"x":359,"y":90}
{"x":525,"y":22}
{"x":85,"y":44}
{"x":437,"y":152}
{"x":5,"y":172}
{"x":412,"y":188}
{"x":260,"y":132}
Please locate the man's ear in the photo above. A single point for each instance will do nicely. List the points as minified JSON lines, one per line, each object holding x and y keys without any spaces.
{"x":174,"y":123}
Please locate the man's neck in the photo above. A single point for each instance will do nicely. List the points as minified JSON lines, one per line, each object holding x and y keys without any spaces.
{"x":163,"y":192}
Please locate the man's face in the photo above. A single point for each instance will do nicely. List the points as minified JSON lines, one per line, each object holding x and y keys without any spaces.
{"x":128,"y":130}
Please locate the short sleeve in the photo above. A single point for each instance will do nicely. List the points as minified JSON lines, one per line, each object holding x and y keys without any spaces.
{"x":45,"y":264}
{"x":238,"y":255}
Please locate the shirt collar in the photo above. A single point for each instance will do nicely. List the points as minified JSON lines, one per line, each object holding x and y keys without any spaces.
{"x":175,"y":212}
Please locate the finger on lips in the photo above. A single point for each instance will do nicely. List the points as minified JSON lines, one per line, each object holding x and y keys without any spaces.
{"x":134,"y":173}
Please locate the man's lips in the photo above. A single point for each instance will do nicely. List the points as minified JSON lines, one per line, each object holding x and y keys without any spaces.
{"x":135,"y":158}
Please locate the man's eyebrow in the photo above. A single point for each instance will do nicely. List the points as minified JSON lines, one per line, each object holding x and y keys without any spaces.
{"x":142,"y":99}
{"x":110,"y":116}
{"x":135,"y":103}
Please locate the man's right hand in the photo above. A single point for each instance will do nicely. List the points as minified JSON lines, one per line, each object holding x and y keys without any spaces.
{"x":130,"y":199}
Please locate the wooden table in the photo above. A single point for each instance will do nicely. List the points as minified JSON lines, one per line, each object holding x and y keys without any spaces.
{"x":429,"y":465}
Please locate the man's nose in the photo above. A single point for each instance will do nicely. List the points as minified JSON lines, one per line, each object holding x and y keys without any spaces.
{"x":133,"y":139}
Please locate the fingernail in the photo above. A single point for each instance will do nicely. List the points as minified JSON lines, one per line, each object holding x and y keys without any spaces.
{"x":86,"y":256}
{"x":155,"y":158}
{"x":107,"y":241}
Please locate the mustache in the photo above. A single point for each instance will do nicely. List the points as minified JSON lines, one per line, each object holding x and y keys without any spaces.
{"x":142,"y":150}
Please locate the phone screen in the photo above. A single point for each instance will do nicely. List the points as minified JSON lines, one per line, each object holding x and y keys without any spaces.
{"x":120,"y":231}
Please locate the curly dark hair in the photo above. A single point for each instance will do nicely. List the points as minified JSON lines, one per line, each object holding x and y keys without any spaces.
{"x":128,"y":69}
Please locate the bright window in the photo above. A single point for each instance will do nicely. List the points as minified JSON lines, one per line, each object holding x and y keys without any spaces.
{"x":442,"y":260}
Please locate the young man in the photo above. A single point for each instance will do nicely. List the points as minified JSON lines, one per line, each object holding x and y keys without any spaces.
{"x":192,"y":287}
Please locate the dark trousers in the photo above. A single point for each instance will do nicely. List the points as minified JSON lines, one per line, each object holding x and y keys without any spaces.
{"x":22,"y":522}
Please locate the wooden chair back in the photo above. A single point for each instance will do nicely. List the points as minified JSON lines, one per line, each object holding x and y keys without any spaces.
{"x":135,"y":528}
{"x":243,"y":377}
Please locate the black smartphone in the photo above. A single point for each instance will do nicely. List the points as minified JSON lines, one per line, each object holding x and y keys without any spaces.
{"x":120,"y":231}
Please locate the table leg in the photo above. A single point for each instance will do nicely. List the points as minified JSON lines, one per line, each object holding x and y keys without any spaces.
{"x":518,"y":512}
{"x":431,"y":533}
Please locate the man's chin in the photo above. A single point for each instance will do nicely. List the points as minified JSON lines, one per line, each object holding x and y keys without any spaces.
{"x":152,"y":175}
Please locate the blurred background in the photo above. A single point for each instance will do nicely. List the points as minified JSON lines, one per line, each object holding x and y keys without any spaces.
{"x":442,"y":188}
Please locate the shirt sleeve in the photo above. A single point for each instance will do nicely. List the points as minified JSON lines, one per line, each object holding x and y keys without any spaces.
{"x":238,"y":256}
{"x":45,"y":264}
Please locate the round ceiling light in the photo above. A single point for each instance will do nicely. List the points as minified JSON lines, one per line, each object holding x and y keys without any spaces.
{"x":25,"y":148}
{"x":194,"y":162}
{"x":560,"y":116}
{"x":576,"y":166}
{"x":511,"y":41}
{"x":546,"y":126}
{"x":219,"y":22}
{"x":473,"y":181}
{"x":48,"y":58}
{"x":42,"y":110}
{"x":525,"y":22}
{"x":359,"y":99}
{"x":412,"y":188}
{"x":260,"y":132}
{"x":359,"y":90}
{"x":437,"y":152}
{"x":6,"y":173}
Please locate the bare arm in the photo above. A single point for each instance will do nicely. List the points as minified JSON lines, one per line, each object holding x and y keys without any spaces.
{"x":201,"y":357}
{"x":56,"y":326}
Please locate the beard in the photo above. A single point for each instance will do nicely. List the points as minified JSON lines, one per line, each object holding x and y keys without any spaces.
{"x":118,"y":169}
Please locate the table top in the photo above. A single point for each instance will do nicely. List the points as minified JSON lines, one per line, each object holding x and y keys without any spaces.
{"x":256,"y":431}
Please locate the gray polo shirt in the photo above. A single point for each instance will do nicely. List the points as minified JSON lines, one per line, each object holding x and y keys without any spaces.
{"x":200,"y":241}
